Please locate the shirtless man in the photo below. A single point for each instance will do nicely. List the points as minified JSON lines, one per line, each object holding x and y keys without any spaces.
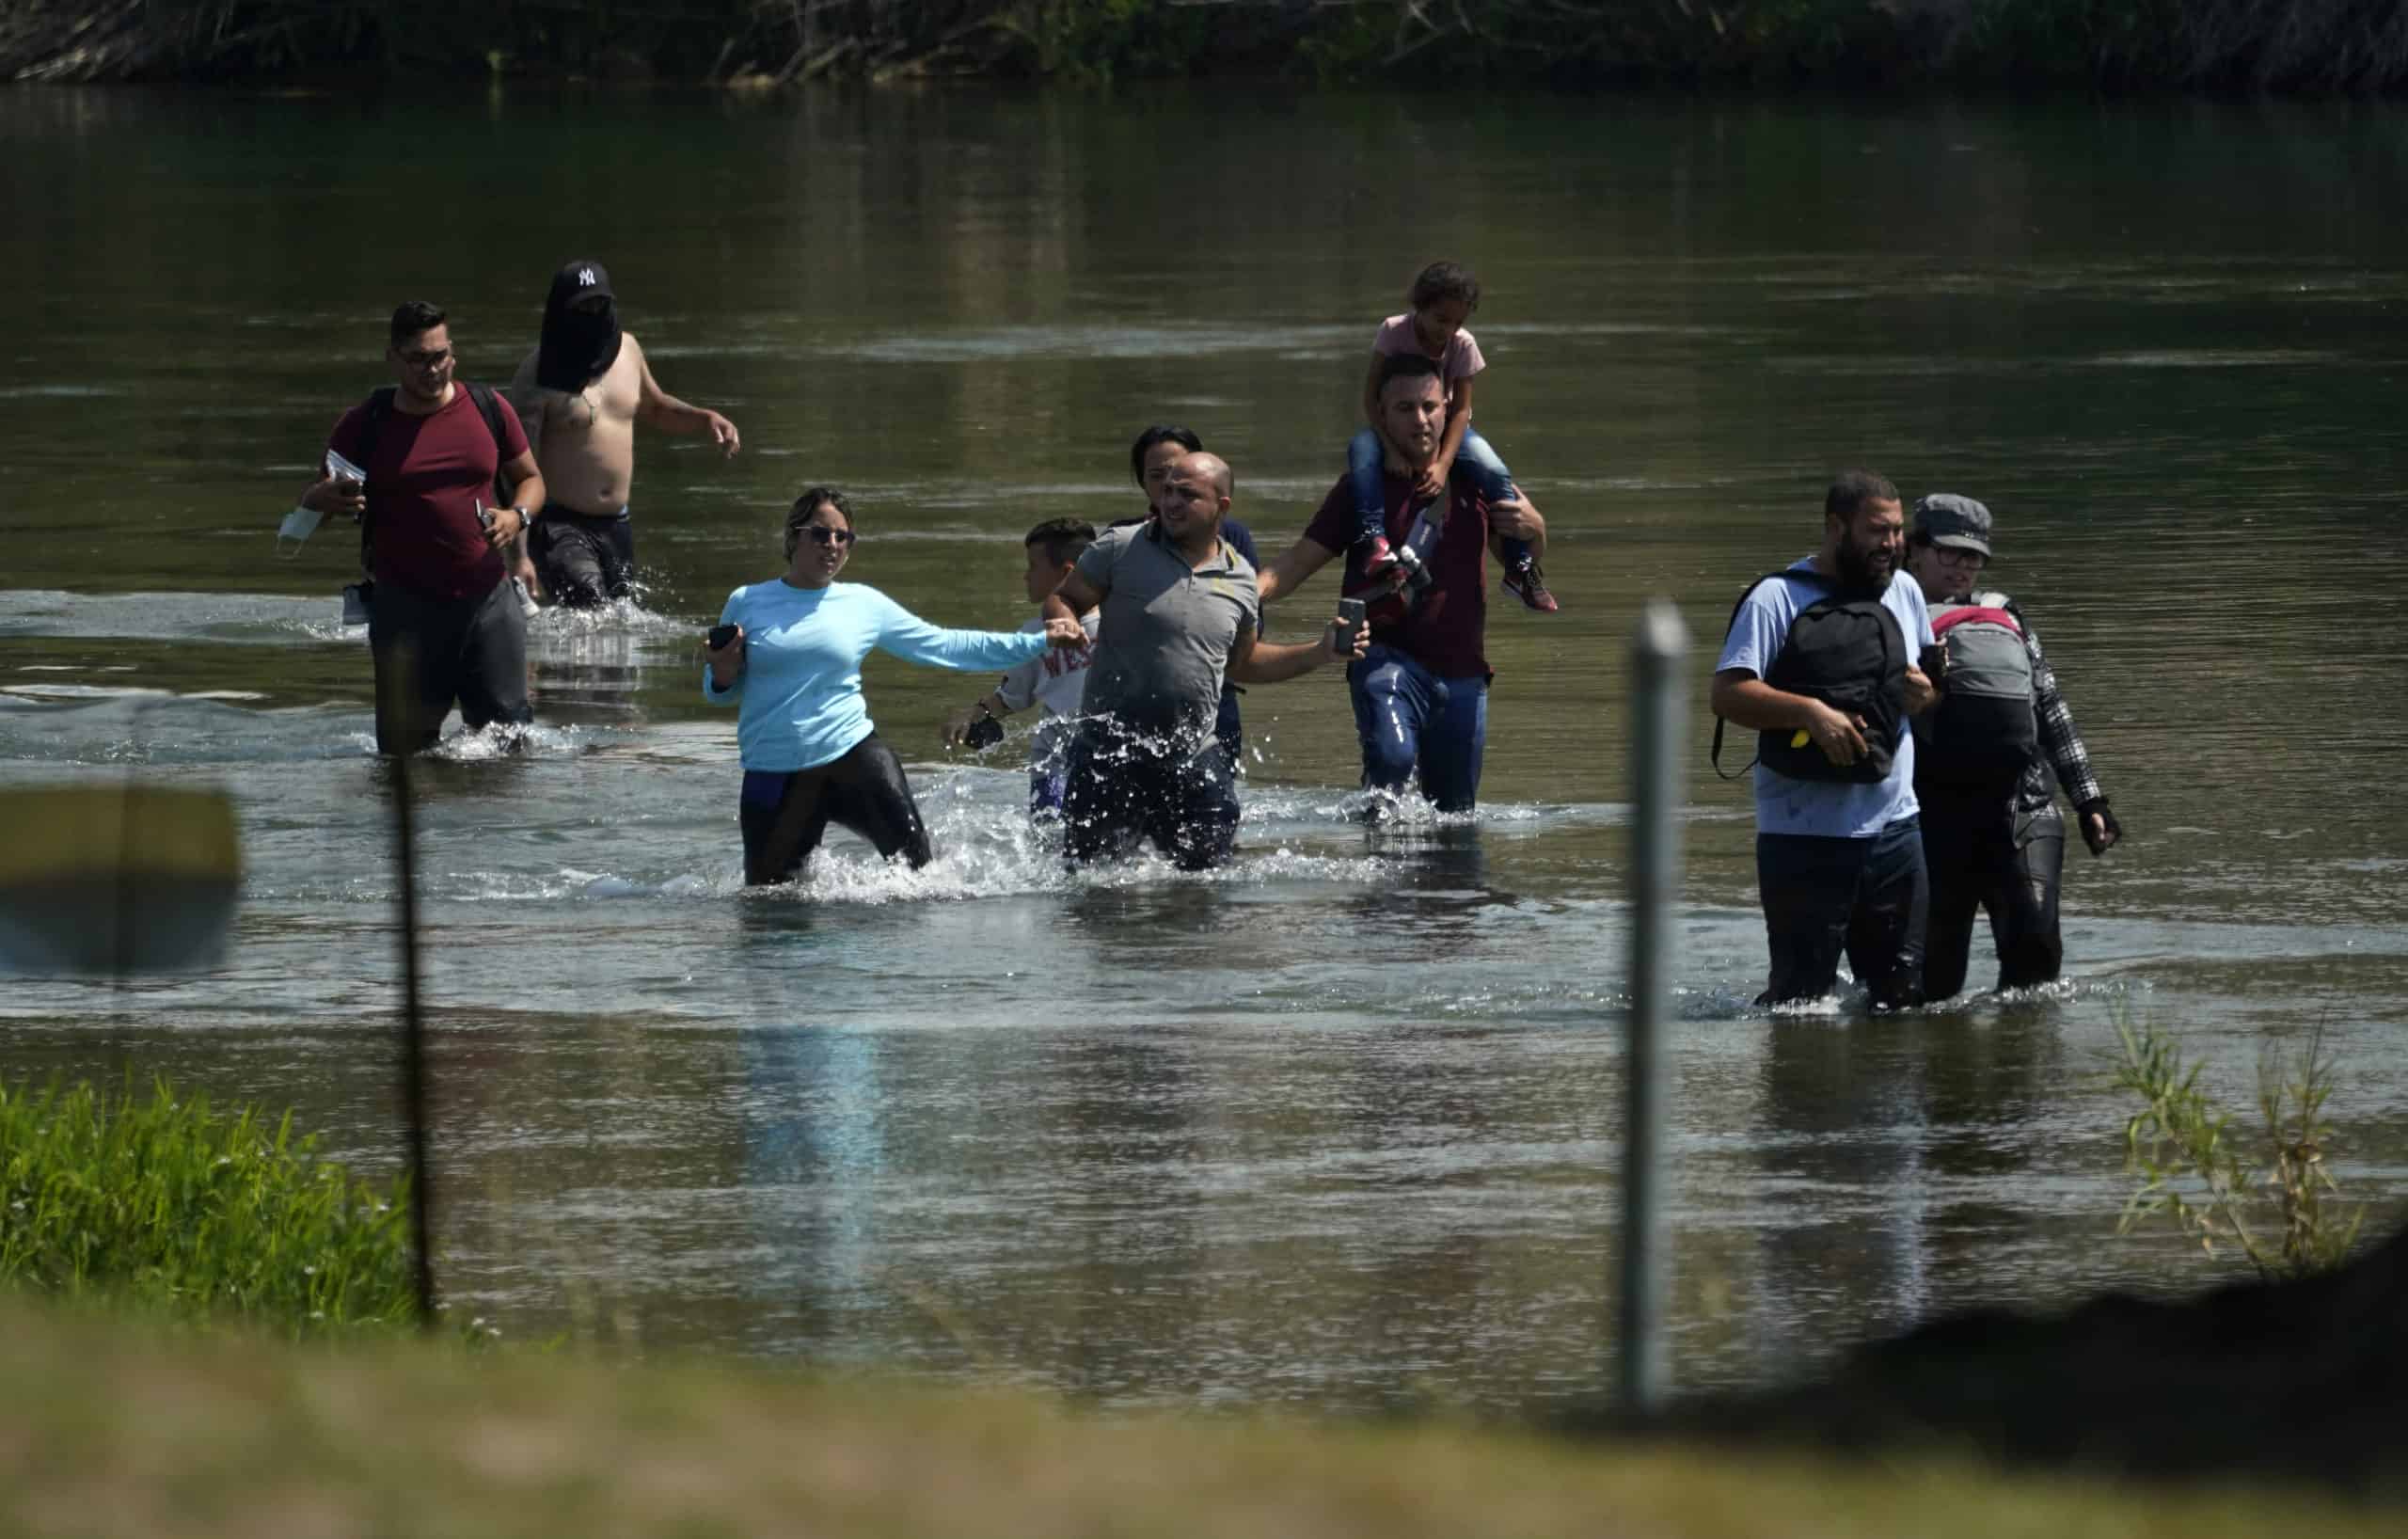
{"x":580,"y":395}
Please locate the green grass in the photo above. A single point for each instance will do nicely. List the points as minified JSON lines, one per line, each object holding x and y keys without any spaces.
{"x":169,"y":1205}
{"x":107,"y":1427}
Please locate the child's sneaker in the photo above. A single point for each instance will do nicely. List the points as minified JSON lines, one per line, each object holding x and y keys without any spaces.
{"x":1378,"y":557}
{"x":1526,"y":583}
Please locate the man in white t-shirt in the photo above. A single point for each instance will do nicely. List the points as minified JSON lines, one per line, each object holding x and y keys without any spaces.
{"x":1839,"y":848}
{"x":1057,"y":681}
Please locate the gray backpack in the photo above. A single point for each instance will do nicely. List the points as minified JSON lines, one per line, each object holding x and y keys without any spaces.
{"x":1986,"y":731}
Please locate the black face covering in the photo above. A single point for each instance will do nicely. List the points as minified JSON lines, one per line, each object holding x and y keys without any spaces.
{"x":577,"y":348}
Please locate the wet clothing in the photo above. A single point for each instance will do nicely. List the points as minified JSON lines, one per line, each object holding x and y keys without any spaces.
{"x":1785,"y":804}
{"x":1408,"y":719}
{"x":784,"y":815}
{"x":2007,"y":862}
{"x":1446,"y":629}
{"x":1868,"y":896}
{"x":1056,"y":682}
{"x":1226,"y":725}
{"x":584,"y":560}
{"x":431,"y":652}
{"x":1148,"y":779}
{"x":425,"y":477}
{"x":1420,"y":689}
{"x":801,"y":691}
{"x":1162,"y":645}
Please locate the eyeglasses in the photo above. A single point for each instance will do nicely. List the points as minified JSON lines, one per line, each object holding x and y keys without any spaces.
{"x":1956,"y":555}
{"x":427,"y":361}
{"x":826,"y":535}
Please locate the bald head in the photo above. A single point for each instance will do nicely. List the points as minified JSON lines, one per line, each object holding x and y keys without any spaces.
{"x":1195,"y":495}
{"x":1210,"y":468}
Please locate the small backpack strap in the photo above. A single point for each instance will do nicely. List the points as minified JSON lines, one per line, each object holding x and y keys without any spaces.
{"x":489,"y":408}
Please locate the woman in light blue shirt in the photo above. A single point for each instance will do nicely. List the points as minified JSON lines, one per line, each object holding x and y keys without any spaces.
{"x":793,"y":666}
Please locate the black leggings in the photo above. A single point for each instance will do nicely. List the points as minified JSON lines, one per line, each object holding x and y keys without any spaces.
{"x":1995,"y":858}
{"x":784,"y":815}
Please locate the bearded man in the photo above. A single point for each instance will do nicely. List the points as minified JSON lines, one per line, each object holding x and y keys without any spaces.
{"x":1822,"y":661}
{"x":580,"y":395}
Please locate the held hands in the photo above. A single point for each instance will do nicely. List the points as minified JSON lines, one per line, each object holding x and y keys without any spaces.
{"x":957,"y":725}
{"x":726,"y":661}
{"x":1840,"y":736}
{"x":1065,"y":634}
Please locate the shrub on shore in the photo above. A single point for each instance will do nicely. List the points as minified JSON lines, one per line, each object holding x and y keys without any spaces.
{"x":2316,"y":46}
{"x":170,"y":1204}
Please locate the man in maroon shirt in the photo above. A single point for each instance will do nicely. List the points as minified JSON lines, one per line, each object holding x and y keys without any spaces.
{"x":1421,"y":691}
{"x":445,"y":625}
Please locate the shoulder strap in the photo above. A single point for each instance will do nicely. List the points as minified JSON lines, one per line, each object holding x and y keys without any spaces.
{"x":1714,"y":755}
{"x":378,"y":407}
{"x":489,"y":408}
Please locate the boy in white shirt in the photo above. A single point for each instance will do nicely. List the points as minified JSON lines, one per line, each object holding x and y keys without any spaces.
{"x":1055,"y":681}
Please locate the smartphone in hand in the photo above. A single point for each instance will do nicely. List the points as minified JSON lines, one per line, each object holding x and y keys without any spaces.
{"x":717,"y":637}
{"x":1350,"y":621}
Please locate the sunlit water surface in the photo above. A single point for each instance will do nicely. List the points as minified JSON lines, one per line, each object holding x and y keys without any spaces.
{"x":1340,"y":1123}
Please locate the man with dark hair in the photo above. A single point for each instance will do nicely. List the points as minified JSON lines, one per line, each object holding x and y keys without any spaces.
{"x":582,"y":391}
{"x":1821,"y":660}
{"x":444,"y":620}
{"x":1179,"y":612}
{"x":1057,"y":681}
{"x":1992,"y":836}
{"x":1150,"y":458}
{"x":1421,"y":691}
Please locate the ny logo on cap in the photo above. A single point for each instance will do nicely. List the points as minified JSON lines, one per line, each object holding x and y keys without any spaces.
{"x":585,"y":278}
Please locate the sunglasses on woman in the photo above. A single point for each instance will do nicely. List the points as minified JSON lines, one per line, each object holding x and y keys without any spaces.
{"x":827,"y":535}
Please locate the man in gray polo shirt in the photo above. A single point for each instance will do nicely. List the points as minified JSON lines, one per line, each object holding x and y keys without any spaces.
{"x":1179,"y":611}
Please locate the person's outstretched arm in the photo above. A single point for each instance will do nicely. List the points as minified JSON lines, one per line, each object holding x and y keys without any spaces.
{"x":1295,"y":565}
{"x":1253,"y":662}
{"x":669,"y":414}
{"x":900,"y":633}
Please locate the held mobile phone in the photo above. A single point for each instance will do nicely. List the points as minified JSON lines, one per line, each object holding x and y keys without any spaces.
{"x":718,"y":637}
{"x":1350,"y":620}
{"x":485,"y":516}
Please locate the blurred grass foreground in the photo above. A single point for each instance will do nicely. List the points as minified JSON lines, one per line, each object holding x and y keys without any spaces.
{"x":110,"y":1427}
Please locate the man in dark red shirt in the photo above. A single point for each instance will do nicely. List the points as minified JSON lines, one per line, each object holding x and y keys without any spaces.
{"x":1421,"y":691}
{"x":445,"y":625}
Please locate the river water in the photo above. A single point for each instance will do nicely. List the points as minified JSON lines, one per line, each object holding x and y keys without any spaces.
{"x":1338,"y":1125}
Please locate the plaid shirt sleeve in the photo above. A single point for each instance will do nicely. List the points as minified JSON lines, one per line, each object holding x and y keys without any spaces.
{"x":2059,"y":740}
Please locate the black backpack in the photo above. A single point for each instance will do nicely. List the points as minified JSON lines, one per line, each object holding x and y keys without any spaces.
{"x":380,"y":406}
{"x":1847,"y":653}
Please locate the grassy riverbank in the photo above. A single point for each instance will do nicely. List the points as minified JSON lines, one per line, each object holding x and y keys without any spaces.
{"x":108,"y":1428}
{"x":2313,"y":46}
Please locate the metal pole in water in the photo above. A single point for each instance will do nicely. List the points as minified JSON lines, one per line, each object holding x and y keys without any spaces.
{"x":398,"y":698}
{"x":1658,"y":711}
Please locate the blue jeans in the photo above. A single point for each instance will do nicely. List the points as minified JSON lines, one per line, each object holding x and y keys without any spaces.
{"x":1870,"y":897}
{"x":1476,"y":461}
{"x":1408,"y":718}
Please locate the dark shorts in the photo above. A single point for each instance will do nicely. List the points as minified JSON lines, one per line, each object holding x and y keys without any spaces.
{"x":1867,"y":897}
{"x":432,"y":652}
{"x":585,"y":559}
{"x":1124,"y":786}
{"x":1991,"y":857}
{"x":785,"y":815}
